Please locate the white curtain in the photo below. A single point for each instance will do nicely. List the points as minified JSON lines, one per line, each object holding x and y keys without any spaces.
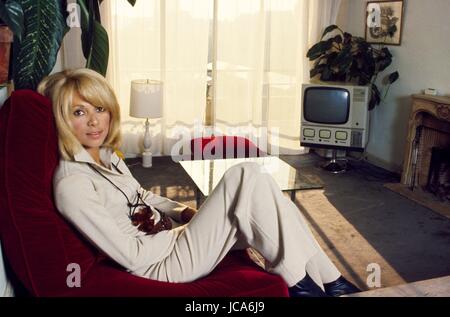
{"x":163,"y":40}
{"x":262,"y":63}
{"x":251,"y":52}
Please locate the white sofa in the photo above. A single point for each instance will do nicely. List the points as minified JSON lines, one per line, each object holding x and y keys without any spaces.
{"x":6,"y":289}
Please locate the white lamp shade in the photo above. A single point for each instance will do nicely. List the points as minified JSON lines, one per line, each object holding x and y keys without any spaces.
{"x":146,"y":98}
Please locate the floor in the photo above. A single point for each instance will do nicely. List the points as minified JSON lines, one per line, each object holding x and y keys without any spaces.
{"x":436,"y":287}
{"x":377,"y":238}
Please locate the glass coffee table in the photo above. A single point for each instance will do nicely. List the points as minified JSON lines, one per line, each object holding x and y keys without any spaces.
{"x":206,"y":174}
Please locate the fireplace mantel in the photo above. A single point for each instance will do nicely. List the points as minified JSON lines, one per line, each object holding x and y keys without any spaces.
{"x":436,"y":106}
{"x":428,"y":113}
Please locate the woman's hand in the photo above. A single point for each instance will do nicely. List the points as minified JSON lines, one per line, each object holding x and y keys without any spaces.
{"x":187,"y":214}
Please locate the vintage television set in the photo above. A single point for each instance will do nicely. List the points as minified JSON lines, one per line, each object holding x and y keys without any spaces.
{"x":334,"y":117}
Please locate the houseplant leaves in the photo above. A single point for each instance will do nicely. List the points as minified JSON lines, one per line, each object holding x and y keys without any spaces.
{"x":35,"y":55}
{"x":319,"y":49}
{"x":39,"y":27}
{"x":94,"y":38}
{"x":347,"y":58}
{"x":393,"y":77}
{"x":329,"y":29}
{"x":12,"y":14}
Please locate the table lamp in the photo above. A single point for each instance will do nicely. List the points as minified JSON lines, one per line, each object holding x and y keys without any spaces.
{"x":146,"y":102}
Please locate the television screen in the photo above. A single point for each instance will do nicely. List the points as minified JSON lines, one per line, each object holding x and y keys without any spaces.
{"x":329,"y":105}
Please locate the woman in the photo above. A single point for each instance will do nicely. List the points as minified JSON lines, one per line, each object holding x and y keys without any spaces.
{"x":154,"y":237}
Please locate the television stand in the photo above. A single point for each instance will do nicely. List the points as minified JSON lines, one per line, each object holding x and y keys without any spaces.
{"x":336,"y":165}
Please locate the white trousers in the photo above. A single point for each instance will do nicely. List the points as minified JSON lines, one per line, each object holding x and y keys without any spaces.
{"x":247,"y":208}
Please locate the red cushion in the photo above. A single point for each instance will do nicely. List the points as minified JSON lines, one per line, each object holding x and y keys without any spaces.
{"x":223,"y":147}
{"x":235,"y":276}
{"x":39,"y":244}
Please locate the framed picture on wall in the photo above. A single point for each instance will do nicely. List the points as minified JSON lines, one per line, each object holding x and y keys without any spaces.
{"x":384,"y":22}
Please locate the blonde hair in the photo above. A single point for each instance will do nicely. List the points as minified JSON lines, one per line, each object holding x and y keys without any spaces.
{"x":93,"y":88}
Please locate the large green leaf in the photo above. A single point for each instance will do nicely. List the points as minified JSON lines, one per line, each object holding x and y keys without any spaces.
{"x":86,"y":28}
{"x":343,"y":57}
{"x":383,"y":63}
{"x":317,"y":70}
{"x":347,"y":38}
{"x":12,"y":14}
{"x":326,"y":74}
{"x":318,"y":49}
{"x":337,"y":39}
{"x":330,"y":57}
{"x":94,"y":38}
{"x":328,"y":29}
{"x":393,"y":77}
{"x":375,"y":96}
{"x":99,"y":51}
{"x":44,"y":29}
{"x":385,"y":52}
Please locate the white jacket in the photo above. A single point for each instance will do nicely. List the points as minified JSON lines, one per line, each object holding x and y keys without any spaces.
{"x":100,"y":211}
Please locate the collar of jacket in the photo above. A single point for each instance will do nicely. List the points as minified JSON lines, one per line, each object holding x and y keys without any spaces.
{"x":107,"y":156}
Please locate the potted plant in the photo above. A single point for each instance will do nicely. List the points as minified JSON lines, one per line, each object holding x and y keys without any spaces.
{"x":11,"y":21}
{"x":39,"y":27}
{"x":348,"y":58}
{"x":6,"y":37}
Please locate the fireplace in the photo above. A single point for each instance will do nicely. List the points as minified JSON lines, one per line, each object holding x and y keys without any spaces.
{"x":439,"y":175}
{"x":425,"y":175}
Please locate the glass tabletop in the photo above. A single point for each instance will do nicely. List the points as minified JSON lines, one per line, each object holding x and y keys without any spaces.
{"x":206,"y":174}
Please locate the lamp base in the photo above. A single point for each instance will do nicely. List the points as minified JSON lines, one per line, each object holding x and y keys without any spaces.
{"x":147,"y":159}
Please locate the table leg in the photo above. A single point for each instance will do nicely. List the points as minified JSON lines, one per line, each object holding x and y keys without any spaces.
{"x":197,"y":197}
{"x":293,"y":195}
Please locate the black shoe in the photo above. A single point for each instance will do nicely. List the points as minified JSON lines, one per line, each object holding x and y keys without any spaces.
{"x":306,"y":288}
{"x":340,"y":287}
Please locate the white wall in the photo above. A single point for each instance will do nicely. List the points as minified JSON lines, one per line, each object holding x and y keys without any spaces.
{"x":422,"y":59}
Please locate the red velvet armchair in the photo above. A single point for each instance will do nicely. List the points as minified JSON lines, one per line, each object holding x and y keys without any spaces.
{"x":39,"y":244}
